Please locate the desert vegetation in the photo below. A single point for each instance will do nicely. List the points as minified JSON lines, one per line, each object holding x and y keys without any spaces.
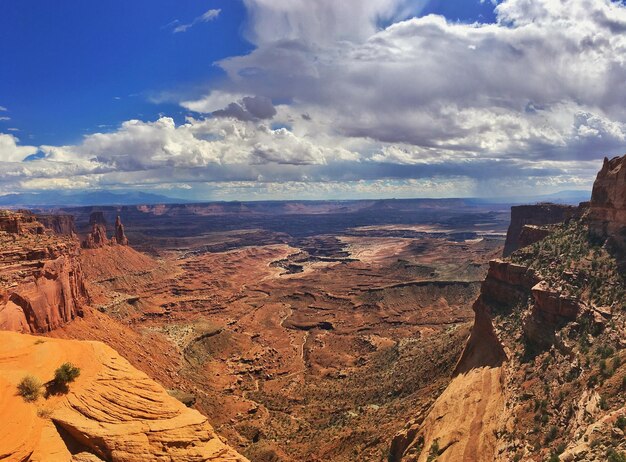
{"x":29,"y":388}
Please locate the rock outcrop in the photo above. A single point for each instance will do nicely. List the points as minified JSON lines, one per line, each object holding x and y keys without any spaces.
{"x":461,"y":425}
{"x":112,"y":412}
{"x":539,"y":214}
{"x":97,"y":238}
{"x":20,"y":222}
{"x":120,"y":236}
{"x":41,"y":281}
{"x":533,"y":233}
{"x":607,"y":208}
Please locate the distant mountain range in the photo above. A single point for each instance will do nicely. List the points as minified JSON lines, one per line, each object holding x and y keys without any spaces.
{"x":57,"y":198}
{"x":102,"y":198}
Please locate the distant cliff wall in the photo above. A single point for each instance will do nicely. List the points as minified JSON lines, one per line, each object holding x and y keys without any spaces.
{"x":539,"y":214}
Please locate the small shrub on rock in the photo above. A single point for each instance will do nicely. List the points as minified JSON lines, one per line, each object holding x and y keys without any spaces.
{"x":29,"y":388}
{"x":65,"y":374}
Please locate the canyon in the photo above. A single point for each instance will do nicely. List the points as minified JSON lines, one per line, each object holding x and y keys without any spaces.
{"x":408,"y":330}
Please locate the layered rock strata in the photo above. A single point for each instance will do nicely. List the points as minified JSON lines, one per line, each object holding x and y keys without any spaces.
{"x":607,"y":208}
{"x":112,"y":412}
{"x":41,"y":280}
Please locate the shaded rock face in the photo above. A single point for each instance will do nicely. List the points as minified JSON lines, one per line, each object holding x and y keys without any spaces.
{"x":120,"y":237}
{"x":112,"y":412}
{"x":551,"y":309}
{"x":41,"y":281}
{"x":507,"y":282}
{"x":97,"y":238}
{"x":607,"y":208}
{"x":20,"y":222}
{"x":97,"y":218}
{"x":59,"y":224}
{"x":531,"y":234}
{"x":539,"y":214}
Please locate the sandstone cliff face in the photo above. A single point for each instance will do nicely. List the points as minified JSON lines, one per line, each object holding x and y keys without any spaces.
{"x":41,"y":280}
{"x":607,"y":209}
{"x":525,"y":387}
{"x":112,"y":412}
{"x":59,"y":224}
{"x":539,"y":214}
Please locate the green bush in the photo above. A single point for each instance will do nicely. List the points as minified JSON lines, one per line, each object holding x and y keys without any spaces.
{"x":29,"y":388}
{"x":603,"y":403}
{"x":65,"y":374}
{"x":434,"y":451}
{"x":613,"y":456}
{"x":552,"y":433}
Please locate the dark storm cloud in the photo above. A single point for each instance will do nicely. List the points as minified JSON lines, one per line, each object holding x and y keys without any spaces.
{"x":250,"y":108}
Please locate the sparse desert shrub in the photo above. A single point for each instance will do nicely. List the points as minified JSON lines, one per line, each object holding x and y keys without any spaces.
{"x":44,"y":413}
{"x":613,"y":456}
{"x":554,"y":457}
{"x":592,"y":381}
{"x":621,"y":422}
{"x":603,"y":404}
{"x":29,"y":388}
{"x":551,"y":434}
{"x":65,"y":374}
{"x":604,"y":351}
{"x":434,"y":451}
{"x":617,"y":362}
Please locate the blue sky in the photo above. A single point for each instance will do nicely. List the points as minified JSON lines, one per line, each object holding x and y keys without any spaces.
{"x":245,"y":99}
{"x":76,"y":68}
{"x":87,"y":66}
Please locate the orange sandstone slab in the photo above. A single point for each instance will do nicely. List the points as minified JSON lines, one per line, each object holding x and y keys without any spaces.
{"x":112,"y":411}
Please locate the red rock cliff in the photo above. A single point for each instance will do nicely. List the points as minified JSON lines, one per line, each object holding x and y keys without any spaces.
{"x":539,"y":214}
{"x":607,"y":209}
{"x":41,"y":281}
{"x":59,"y":224}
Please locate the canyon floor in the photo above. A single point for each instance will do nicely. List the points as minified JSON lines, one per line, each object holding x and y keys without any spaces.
{"x":297,"y":345}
